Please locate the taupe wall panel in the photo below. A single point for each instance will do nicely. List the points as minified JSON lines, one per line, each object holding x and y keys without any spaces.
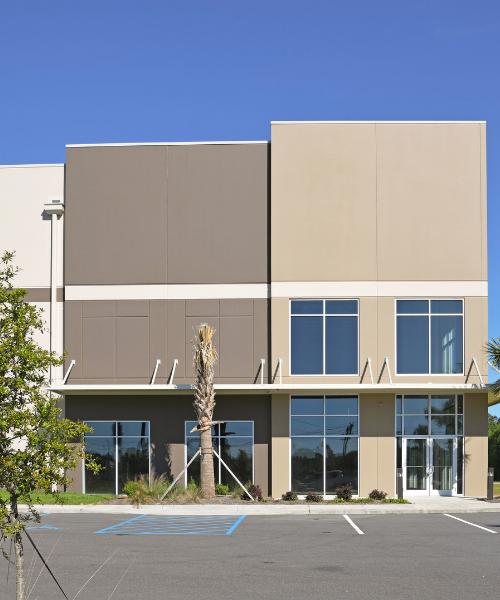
{"x":132,"y":308}
{"x":158,"y":339}
{"x":261,"y":338}
{"x":116,"y":215}
{"x":217,"y":213}
{"x":99,"y":308}
{"x":139,"y":337}
{"x":73,"y":337}
{"x":167,"y":415}
{"x":176,"y":346}
{"x":233,"y":308}
{"x":132,"y":347}
{"x":99,"y":348}
{"x":429,"y":217}
{"x":323,"y":190}
{"x":236,"y":346}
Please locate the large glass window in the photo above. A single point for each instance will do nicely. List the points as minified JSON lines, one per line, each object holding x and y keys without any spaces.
{"x":324,"y":440}
{"x":233,"y":442}
{"x":122,"y":449}
{"x":324,"y":337}
{"x":429,"y":337}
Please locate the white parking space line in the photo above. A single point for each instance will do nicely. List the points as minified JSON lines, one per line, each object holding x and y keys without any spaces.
{"x":354,"y":525}
{"x":469,"y":523}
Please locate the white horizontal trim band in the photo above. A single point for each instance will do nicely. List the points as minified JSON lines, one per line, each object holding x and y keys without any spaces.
{"x":167,"y":144}
{"x":209,"y":291}
{"x":357,"y":289}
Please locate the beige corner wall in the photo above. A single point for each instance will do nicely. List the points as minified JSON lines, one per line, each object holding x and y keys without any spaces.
{"x":476,"y":444}
{"x":280,"y":444}
{"x":377,"y":446}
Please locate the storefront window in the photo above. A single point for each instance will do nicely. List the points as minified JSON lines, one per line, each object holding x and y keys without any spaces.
{"x":122,"y":449}
{"x":324,"y":443}
{"x":233,"y":442}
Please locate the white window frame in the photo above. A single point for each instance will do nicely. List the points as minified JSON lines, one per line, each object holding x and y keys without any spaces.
{"x":429,"y":314}
{"x":326,"y":496}
{"x":116,"y":436}
{"x":218,"y":447}
{"x":323,"y":315}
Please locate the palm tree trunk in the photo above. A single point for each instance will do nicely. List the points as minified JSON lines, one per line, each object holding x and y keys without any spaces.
{"x":207,"y":465}
{"x":18,"y":545}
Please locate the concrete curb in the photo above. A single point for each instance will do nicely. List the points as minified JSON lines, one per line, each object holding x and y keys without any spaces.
{"x":426,"y":507}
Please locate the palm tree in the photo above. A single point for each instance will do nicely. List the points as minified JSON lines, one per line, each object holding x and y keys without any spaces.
{"x":205,"y":357}
{"x":493,"y":350}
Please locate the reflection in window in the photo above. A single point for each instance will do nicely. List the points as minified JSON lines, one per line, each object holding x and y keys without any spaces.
{"x":429,"y":337}
{"x":324,"y":448}
{"x":233,"y":441}
{"x":324,"y":337}
{"x":122,"y":449}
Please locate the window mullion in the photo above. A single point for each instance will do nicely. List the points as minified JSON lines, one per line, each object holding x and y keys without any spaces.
{"x":324,"y":340}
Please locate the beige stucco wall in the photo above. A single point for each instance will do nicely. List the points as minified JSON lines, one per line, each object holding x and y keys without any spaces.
{"x":26,"y":229}
{"x":377,"y":340}
{"x":377,"y":450}
{"x":378,"y":201}
{"x":476,"y":444}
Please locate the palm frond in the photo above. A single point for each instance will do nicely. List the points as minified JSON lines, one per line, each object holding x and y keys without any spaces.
{"x":492,"y":348}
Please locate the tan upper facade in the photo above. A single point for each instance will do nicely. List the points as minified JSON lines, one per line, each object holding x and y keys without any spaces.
{"x":378,"y":202}
{"x":379,"y":212}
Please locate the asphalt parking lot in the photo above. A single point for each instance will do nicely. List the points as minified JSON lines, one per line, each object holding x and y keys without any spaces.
{"x":281,"y":557}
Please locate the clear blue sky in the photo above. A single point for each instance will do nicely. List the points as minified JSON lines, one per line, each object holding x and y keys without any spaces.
{"x":144,"y":71}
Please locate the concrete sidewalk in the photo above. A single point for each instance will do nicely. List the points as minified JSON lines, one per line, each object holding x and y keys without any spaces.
{"x":428,"y":505}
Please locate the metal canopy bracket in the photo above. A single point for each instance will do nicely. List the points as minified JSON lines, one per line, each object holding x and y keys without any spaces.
{"x":473,"y":362}
{"x":386,"y":362}
{"x":172,"y":373}
{"x":368,"y":365}
{"x":73,"y":362}
{"x":158,"y":362}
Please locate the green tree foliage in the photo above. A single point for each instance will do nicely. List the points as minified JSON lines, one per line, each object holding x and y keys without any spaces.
{"x":36,"y":445}
{"x":494,"y":444}
{"x":492,"y":349}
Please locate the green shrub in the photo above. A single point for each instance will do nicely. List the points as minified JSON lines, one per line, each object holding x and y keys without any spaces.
{"x":337,"y":501}
{"x":221,"y":489}
{"x":254,"y":491}
{"x":396,"y":501}
{"x":345,"y":492}
{"x":361,"y":500}
{"x":130,"y":488}
{"x":290,"y":497}
{"x":312,"y":497}
{"x":377,"y":495}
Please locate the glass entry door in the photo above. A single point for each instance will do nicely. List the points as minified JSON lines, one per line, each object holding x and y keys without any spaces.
{"x":430,"y":466}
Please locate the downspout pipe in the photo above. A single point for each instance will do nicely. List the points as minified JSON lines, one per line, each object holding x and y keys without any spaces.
{"x":54,"y":208}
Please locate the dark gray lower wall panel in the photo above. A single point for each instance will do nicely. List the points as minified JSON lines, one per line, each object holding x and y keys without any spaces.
{"x":167,"y":416}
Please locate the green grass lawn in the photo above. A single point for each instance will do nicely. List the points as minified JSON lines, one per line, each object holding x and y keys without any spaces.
{"x":496,"y":489}
{"x":68,"y":498}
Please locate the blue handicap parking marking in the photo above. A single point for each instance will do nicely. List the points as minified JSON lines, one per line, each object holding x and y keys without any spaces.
{"x":176,"y":525}
{"x":43,"y":527}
